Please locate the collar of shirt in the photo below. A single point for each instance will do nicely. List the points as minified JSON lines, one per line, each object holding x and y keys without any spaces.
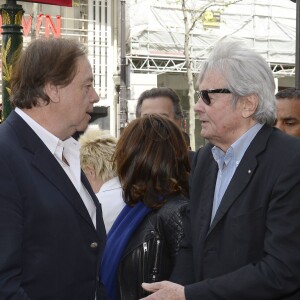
{"x":56,"y":146}
{"x":72,"y":155}
{"x":49,"y":139}
{"x":228,"y":163}
{"x":237,"y":150}
{"x":111,"y":184}
{"x":70,"y":148}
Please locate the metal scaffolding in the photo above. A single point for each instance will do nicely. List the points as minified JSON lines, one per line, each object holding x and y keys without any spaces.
{"x":161,"y":65}
{"x":157,"y":39}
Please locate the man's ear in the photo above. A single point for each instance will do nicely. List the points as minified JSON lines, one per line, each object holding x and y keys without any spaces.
{"x":90,"y":171}
{"x":249,"y":105}
{"x":52,"y":91}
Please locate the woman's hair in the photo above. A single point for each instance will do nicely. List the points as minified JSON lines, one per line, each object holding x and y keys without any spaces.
{"x":96,"y":150}
{"x":37,"y":66}
{"x":152,"y":161}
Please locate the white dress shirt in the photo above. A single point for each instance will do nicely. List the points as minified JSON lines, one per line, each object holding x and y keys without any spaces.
{"x":111,"y":198}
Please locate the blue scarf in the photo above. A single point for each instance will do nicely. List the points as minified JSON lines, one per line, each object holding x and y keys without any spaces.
{"x":117,"y":239}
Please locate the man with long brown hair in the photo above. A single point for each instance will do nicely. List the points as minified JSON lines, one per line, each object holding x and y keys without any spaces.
{"x":51,"y":228}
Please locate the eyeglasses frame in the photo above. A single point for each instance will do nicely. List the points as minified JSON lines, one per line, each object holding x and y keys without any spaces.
{"x":205,"y":97}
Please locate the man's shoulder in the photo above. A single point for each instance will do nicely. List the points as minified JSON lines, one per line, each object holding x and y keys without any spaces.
{"x":8,"y":135}
{"x":203,"y":153}
{"x":191,"y":154}
{"x":279,"y":143}
{"x":278,"y":135}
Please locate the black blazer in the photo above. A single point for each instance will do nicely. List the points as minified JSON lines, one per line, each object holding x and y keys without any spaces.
{"x":251,"y":249}
{"x":49,"y":246}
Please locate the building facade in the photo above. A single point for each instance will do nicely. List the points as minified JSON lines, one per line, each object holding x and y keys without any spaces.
{"x":135,"y":45}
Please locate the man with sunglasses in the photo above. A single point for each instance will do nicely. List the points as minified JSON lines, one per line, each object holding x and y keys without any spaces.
{"x":242,"y":234}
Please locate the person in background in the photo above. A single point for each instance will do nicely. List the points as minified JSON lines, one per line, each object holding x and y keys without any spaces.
{"x":153,"y":167}
{"x":288,"y":111}
{"x":242,"y":234}
{"x":51,"y":229}
{"x":96,"y":150}
{"x":163,"y":101}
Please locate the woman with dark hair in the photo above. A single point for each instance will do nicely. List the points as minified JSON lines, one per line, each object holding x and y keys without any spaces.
{"x":153,"y":167}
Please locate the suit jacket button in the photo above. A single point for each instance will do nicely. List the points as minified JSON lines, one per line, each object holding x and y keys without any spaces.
{"x":94,"y":245}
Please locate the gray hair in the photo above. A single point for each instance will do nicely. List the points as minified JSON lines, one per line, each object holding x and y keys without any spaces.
{"x":246,"y":73}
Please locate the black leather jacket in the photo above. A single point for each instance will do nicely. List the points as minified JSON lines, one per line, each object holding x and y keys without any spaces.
{"x":151,"y":251}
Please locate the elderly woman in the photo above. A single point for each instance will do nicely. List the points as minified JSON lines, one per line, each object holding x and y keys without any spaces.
{"x":153,"y":167}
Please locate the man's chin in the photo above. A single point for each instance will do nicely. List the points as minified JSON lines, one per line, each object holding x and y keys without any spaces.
{"x":83,"y":126}
{"x":204,"y":134}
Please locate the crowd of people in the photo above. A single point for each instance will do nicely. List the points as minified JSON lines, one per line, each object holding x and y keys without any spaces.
{"x":143,"y":216}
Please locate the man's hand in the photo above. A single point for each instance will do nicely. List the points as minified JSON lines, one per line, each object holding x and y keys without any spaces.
{"x":164,"y":290}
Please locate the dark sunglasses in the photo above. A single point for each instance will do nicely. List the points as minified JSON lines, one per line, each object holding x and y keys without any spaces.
{"x":205,"y":97}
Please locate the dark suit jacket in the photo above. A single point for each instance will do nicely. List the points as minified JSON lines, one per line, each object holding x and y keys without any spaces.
{"x":191,"y":155}
{"x":251,"y":249}
{"x":49,"y":247}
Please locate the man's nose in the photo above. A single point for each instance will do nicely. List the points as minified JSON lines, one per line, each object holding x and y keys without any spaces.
{"x":95,"y":97}
{"x":199,"y":105}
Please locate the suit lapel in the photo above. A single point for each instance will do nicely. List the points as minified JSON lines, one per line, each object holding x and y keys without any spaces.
{"x":203,"y":182}
{"x":46,"y":163}
{"x":242,"y":175}
{"x":87,"y":185}
{"x":202,"y":216}
{"x":207,"y":195}
{"x":99,"y":218}
{"x":237,"y":184}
